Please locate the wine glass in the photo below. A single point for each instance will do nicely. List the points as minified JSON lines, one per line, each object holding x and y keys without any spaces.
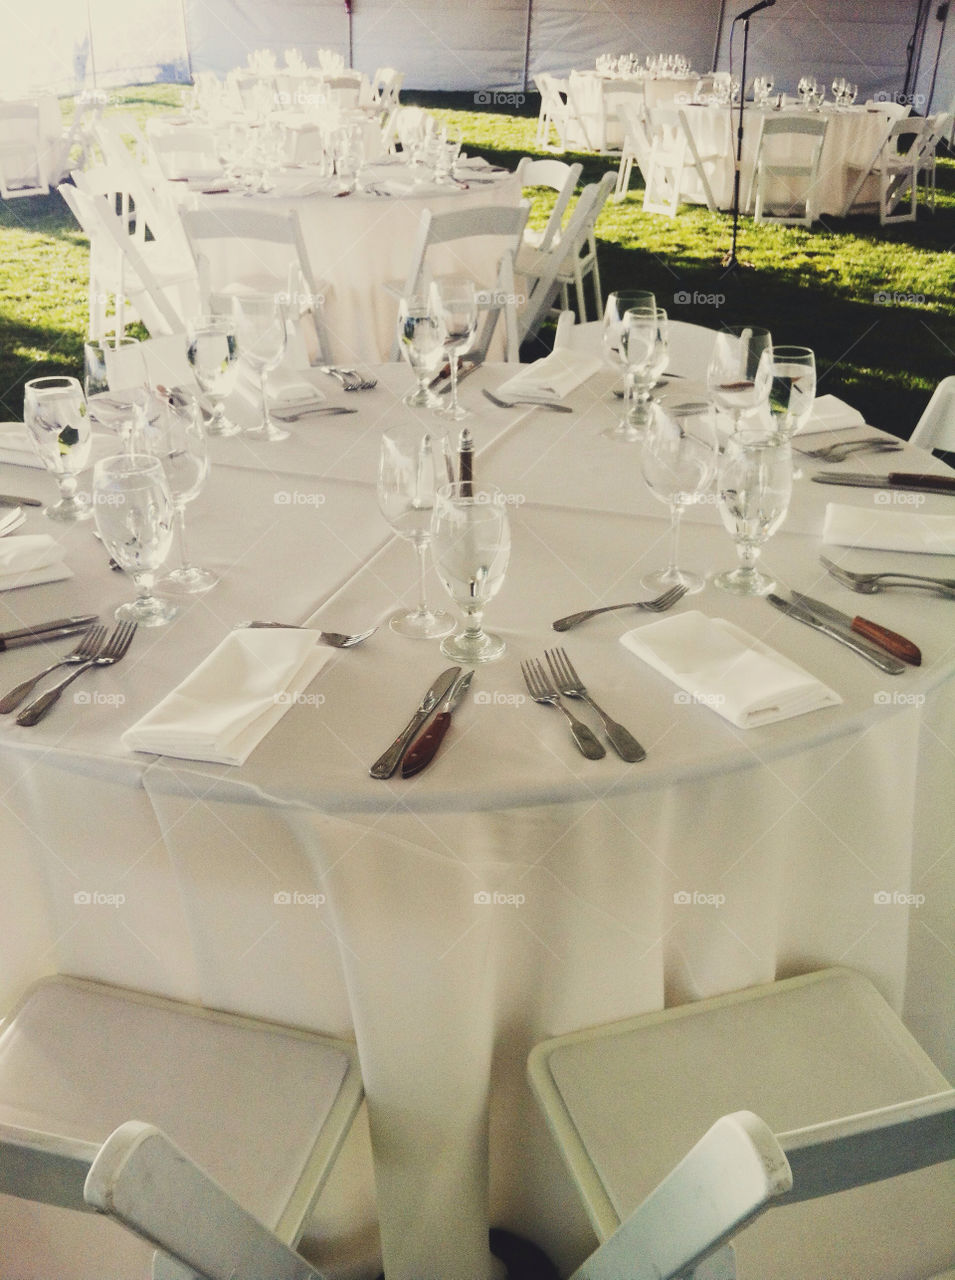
{"x":471,"y":545}
{"x":261,"y":331}
{"x":134,"y":513}
{"x":645,"y":343}
{"x":454,"y":301}
{"x":792,"y":389}
{"x":176,"y":437}
{"x":735,"y":378}
{"x":754,"y":485}
{"x":213,"y":352}
{"x":116,"y":385}
{"x":617,"y":306}
{"x":680,"y":451}
{"x":412,"y":465}
{"x":421,"y":339}
{"x":55,"y":414}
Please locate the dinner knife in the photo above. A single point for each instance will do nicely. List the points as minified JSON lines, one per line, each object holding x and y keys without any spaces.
{"x":39,"y":628}
{"x":388,"y":762}
{"x":876,"y":656}
{"x":425,"y":747}
{"x":894,"y":480}
{"x":899,"y":646}
{"x":17,"y":639}
{"x":14,"y":500}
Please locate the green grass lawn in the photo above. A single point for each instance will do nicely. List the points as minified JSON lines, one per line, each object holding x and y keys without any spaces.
{"x":876,"y":304}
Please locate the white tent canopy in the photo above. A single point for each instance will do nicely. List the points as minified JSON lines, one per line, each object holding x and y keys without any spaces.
{"x":892,"y":47}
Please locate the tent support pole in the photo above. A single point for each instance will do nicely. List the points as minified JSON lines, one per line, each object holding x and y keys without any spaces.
{"x":527,"y":45}
{"x":719,"y":35}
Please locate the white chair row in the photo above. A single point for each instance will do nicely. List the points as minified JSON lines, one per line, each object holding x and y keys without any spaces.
{"x":905,"y":153}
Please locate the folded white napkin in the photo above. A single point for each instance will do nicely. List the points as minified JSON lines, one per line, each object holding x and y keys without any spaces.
{"x":723,"y":668}
{"x":16,"y":446}
{"x":295,"y":394}
{"x":30,"y":559}
{"x":10,"y":518}
{"x":551,"y":378}
{"x":223,"y":710}
{"x":829,"y":413}
{"x":886,"y":529}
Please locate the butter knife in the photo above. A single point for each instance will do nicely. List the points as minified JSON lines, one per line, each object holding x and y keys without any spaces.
{"x":800,"y":614}
{"x":894,"y":480}
{"x":46,"y":630}
{"x":13,"y":500}
{"x":388,"y":762}
{"x":898,"y":645}
{"x":425,"y":747}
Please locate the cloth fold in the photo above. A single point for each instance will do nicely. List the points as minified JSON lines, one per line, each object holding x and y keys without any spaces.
{"x":551,"y":378}
{"x":829,"y":413}
{"x":883,"y":529}
{"x":222,"y":710}
{"x":722,"y":667}
{"x":27,"y":560}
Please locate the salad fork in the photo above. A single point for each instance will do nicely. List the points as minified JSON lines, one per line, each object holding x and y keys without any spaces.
{"x":839,"y":451}
{"x":542,"y":690}
{"x":659,"y":605}
{"x":112,"y":651}
{"x":870,"y":583}
{"x":87,"y":648}
{"x":571,"y":686}
{"x":337,"y":639}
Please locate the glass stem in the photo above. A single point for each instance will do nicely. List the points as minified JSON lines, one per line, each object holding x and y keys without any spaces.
{"x":676,"y":515}
{"x":422,"y":549}
{"x":454,"y":380}
{"x":474,"y":622}
{"x":748,"y":555}
{"x":181,"y":536}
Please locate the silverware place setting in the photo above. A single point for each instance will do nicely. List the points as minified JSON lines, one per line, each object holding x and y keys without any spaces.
{"x":840,"y":450}
{"x":543,"y":690}
{"x":104,"y":654}
{"x":350,"y":379}
{"x":659,"y":604}
{"x":871,"y":583}
{"x":570,"y":685}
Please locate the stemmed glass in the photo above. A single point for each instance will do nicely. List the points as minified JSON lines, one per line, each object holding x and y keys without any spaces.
{"x":644,"y":341}
{"x":176,"y":437}
{"x":454,"y":301}
{"x":617,"y":306}
{"x":738,"y":379}
{"x":116,"y":385}
{"x":55,"y":414}
{"x":213,"y":352}
{"x":261,"y":331}
{"x":754,"y":486}
{"x":412,"y":465}
{"x":134,"y":518}
{"x":421,"y":339}
{"x":792,"y":390}
{"x":471,"y":545}
{"x":680,"y":451}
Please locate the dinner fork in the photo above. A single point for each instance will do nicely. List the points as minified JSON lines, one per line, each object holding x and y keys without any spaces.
{"x":337,"y":639}
{"x":841,"y":450}
{"x":543,"y":691}
{"x":526,"y":404}
{"x":87,"y":648}
{"x":350,"y":379}
{"x":870,"y":583}
{"x":659,"y":605}
{"x":570,"y":684}
{"x":114,"y":649}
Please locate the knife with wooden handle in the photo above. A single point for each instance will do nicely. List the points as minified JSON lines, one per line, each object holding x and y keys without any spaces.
{"x":899,"y":646}
{"x":425,"y":747}
{"x":800,"y":613}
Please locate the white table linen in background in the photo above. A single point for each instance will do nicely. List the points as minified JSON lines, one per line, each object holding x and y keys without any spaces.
{"x":891,"y":530}
{"x":513,"y":890}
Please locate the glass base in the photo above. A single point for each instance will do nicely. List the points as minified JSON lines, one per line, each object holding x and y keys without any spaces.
{"x":422,"y":398}
{"x":191,"y":579}
{"x":147,"y":611}
{"x":744,"y":582}
{"x":453,"y":411}
{"x":69,"y":510}
{"x":423,"y":626}
{"x":624,"y":433}
{"x":222,"y":427}
{"x":664,"y":579}
{"x":467,"y":647}
{"x":268,"y":431}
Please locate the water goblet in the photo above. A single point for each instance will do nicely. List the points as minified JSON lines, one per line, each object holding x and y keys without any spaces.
{"x":618,"y":304}
{"x":55,"y":414}
{"x":645,"y":343}
{"x":116,"y":386}
{"x":678,"y":460}
{"x":736,"y":379}
{"x":454,"y":301}
{"x":177,"y":438}
{"x":412,"y":466}
{"x":792,"y":390}
{"x":421,"y":339}
{"x":471,"y":545}
{"x":262,"y":335}
{"x":213,"y":353}
{"x":754,"y":485}
{"x":134,"y":518}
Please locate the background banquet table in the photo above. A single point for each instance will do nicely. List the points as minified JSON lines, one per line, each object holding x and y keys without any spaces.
{"x":514,"y":890}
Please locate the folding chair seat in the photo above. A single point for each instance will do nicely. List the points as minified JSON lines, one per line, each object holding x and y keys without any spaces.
{"x":261,"y":1109}
{"x":786,"y":170}
{"x":453,"y":239}
{"x":937,"y":129}
{"x":238,"y":249}
{"x":828,"y":1066}
{"x":23,"y":170}
{"x":637,"y":145}
{"x":895,"y":169}
{"x":580,"y":261}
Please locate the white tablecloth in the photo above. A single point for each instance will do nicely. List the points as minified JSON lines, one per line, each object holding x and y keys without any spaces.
{"x":513,"y":890}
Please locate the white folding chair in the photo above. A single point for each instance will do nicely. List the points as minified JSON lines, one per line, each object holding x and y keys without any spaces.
{"x":22,"y":167}
{"x":822,"y":1058}
{"x":580,"y":260}
{"x":238,"y":249}
{"x":935,"y":429}
{"x":120,"y":138}
{"x":255,"y":1114}
{"x":673,"y":150}
{"x":554,"y":112}
{"x":786,"y":170}
{"x":559,"y":177}
{"x":895,"y":168}
{"x":636,"y":143}
{"x":454,"y":234}
{"x":937,"y":129}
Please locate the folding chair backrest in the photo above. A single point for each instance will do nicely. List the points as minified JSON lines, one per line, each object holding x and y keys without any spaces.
{"x":936,"y":427}
{"x":560,"y":177}
{"x":546,"y":282}
{"x":238,"y":247}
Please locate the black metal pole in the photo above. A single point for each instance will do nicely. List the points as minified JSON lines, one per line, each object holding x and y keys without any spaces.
{"x":730,"y":261}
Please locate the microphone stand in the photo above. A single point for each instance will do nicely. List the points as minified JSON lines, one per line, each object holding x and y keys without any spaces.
{"x":730,"y":261}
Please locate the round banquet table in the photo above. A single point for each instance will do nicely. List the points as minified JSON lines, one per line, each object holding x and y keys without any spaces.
{"x":513,"y":890}
{"x":360,"y":243}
